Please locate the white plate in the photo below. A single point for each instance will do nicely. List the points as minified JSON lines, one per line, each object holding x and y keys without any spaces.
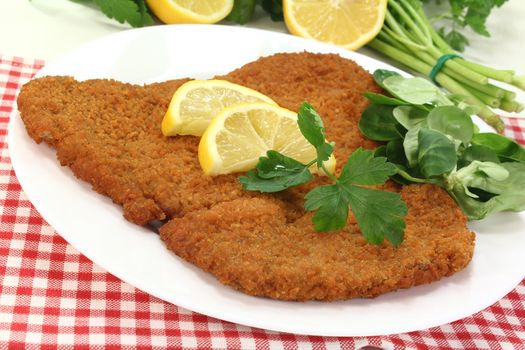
{"x":95,"y":226}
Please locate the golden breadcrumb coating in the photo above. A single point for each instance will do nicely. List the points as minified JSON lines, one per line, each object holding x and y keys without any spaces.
{"x":109,"y":134}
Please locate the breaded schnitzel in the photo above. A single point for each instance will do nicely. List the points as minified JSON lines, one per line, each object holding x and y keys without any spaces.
{"x":250,"y":246}
{"x":109,"y":134}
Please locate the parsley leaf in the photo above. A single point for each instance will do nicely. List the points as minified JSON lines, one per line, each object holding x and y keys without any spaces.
{"x":276,"y":172}
{"x":274,"y":8}
{"x":312,"y":128}
{"x":379,"y":214}
{"x":242,"y":11}
{"x":133,"y":12}
{"x":363,"y":169}
{"x":276,"y":164}
{"x":331,"y":204}
{"x":467,"y":13}
{"x":455,"y":39}
{"x":253,"y":182}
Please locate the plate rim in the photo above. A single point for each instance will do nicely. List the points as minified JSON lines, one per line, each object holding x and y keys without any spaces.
{"x":232,"y":318}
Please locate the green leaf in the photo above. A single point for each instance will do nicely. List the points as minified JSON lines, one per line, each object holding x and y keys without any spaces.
{"x":242,"y":11}
{"x":311,"y":125}
{"x":461,"y":13}
{"x":410,"y":116}
{"x":480,"y":153}
{"x":312,"y":128}
{"x":451,"y":121}
{"x":416,"y":91}
{"x":378,"y":123}
{"x":147,"y":20}
{"x":395,"y":153}
{"x":381,"y":74}
{"x":362,"y":168}
{"x":276,"y":172}
{"x":274,"y":8}
{"x":253,"y":182}
{"x":276,"y":164}
{"x":455,"y":39}
{"x":383,"y":100}
{"x":477,"y":210}
{"x":487,"y":176}
{"x":514,"y":183}
{"x":324,"y":152}
{"x":411,"y":146}
{"x":379,"y":214}
{"x":331,"y":205}
{"x":436,"y":155}
{"x":511,"y":191}
{"x":380,"y":151}
{"x":131,"y":11}
{"x":505,"y":148}
{"x":476,"y":17}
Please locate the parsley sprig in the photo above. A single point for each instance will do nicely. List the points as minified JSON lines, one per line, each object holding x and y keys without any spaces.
{"x":465,"y":13}
{"x":379,"y":214}
{"x":133,"y":12}
{"x":408,"y":37}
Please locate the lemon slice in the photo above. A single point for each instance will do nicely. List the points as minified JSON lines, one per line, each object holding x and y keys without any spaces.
{"x":347,"y":23}
{"x":190,"y":11}
{"x":240,"y":134}
{"x":196,"y":102}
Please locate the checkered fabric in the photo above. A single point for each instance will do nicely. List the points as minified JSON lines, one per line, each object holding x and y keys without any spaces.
{"x":51,"y":296}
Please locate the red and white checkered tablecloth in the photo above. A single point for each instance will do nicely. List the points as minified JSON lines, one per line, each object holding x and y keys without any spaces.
{"x":51,"y":296}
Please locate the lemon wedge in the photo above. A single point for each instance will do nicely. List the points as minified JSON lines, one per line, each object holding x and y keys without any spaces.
{"x":196,"y":102}
{"x":346,"y":23}
{"x":239,"y":135}
{"x":190,"y":11}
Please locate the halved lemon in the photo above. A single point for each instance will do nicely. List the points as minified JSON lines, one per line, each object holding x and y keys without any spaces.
{"x":190,"y":11}
{"x":240,"y":134}
{"x":196,"y":102}
{"x":346,"y":23}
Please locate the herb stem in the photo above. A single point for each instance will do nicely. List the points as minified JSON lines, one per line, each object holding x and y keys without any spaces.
{"x":505,"y":76}
{"x":511,"y":106}
{"x":312,"y":162}
{"x":413,"y":30}
{"x":408,"y":37}
{"x":409,"y":177}
{"x":489,"y":89}
{"x":328,"y":173}
{"x":500,"y":75}
{"x":485,"y":98}
{"x":519,"y":81}
{"x":444,"y":80}
{"x":509,"y":95}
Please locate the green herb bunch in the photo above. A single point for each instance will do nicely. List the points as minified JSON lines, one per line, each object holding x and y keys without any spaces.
{"x":243,"y":10}
{"x":431,"y":139}
{"x":133,"y":12}
{"x":379,"y":214}
{"x":408,"y":37}
{"x":458,"y":14}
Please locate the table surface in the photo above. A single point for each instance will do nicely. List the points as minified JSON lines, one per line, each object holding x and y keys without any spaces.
{"x":40,"y":30}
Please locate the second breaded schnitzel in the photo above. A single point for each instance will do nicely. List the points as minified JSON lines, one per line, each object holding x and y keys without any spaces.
{"x":252,"y":247}
{"x":109,"y":134}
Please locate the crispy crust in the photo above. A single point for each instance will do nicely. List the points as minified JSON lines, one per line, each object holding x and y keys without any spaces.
{"x":109,"y":134}
{"x":250,"y":246}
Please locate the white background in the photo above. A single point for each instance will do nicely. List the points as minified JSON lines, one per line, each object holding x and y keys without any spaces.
{"x":47,"y":28}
